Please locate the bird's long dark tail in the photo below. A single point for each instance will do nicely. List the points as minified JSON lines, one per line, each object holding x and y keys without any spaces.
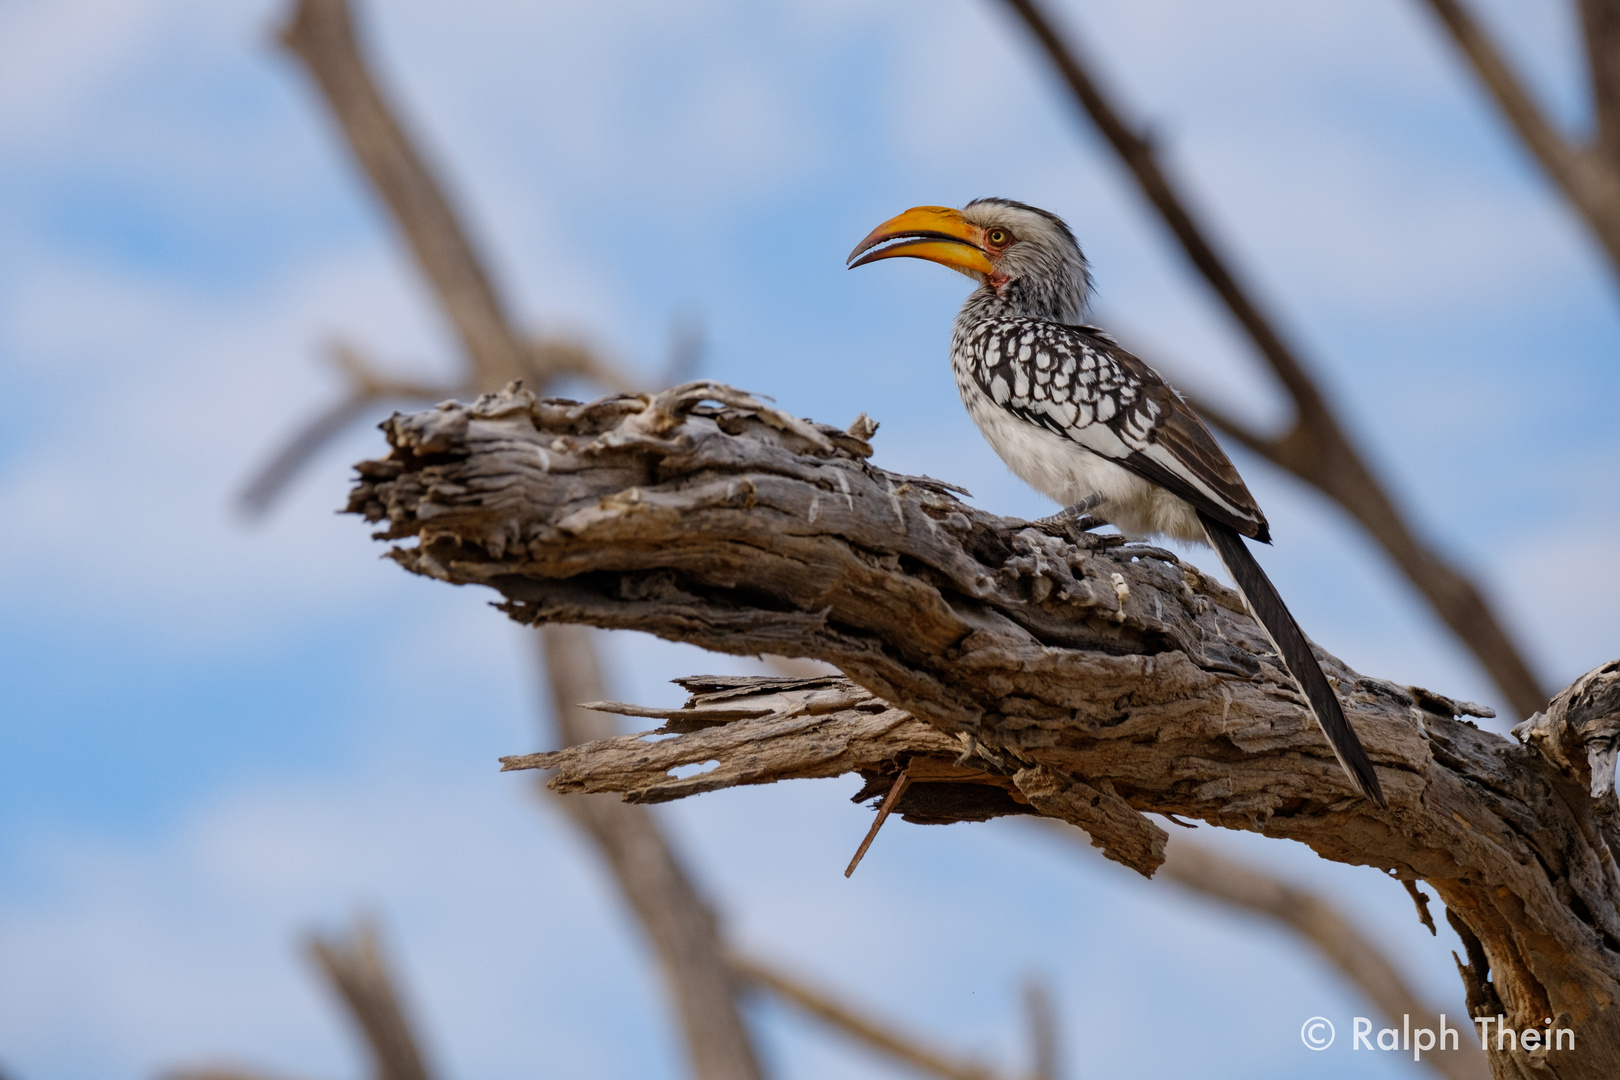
{"x":1279,"y":624}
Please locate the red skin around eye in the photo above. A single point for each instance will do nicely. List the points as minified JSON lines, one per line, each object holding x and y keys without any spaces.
{"x":995,"y":251}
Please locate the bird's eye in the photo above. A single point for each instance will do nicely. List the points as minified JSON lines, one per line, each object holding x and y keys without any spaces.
{"x":998,"y":237}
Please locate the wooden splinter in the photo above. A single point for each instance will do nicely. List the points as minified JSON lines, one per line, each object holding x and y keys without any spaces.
{"x":901,"y":782}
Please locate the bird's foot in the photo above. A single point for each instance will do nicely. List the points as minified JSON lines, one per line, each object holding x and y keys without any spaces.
{"x":1074,"y":519}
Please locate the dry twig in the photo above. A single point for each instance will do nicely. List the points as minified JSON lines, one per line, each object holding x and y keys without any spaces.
{"x":1588,"y":175}
{"x":321,"y":35}
{"x":996,"y":665}
{"x":857,"y":1023}
{"x":358,"y":973}
{"x":1315,"y":448}
{"x":896,"y":790}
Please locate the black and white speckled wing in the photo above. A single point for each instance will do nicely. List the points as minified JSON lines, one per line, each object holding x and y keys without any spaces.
{"x":1078,"y":383}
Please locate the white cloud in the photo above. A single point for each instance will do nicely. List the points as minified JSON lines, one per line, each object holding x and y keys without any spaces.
{"x":54,"y":54}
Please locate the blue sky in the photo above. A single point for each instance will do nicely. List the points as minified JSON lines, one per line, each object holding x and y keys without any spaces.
{"x":214,"y":737}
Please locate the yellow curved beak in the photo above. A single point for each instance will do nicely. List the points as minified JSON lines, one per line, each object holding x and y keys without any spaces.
{"x":936,"y":233}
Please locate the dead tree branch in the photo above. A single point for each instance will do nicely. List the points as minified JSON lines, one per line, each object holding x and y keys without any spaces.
{"x":856,"y":1024}
{"x":1069,"y":676}
{"x":321,"y":35}
{"x":1316,"y":447}
{"x":358,"y":973}
{"x":1588,"y":175}
{"x":1600,"y":21}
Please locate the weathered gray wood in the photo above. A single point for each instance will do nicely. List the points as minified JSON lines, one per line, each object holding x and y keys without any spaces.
{"x":702,"y":515}
{"x":1580,"y":731}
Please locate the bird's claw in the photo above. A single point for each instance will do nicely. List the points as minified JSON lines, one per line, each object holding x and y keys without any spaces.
{"x":1072,"y":520}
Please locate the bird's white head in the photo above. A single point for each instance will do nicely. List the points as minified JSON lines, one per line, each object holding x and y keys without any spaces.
{"x":1026,"y":259}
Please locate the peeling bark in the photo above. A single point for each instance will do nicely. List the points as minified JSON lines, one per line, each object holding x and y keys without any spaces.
{"x":1067,"y":675}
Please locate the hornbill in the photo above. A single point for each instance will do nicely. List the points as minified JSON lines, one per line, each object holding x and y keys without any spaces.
{"x":1088,"y":424}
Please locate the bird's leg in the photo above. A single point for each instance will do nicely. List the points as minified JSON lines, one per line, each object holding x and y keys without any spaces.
{"x":1076,"y":518}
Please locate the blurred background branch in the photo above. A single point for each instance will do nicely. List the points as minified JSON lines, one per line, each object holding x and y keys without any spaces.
{"x":676,"y":920}
{"x":678,"y":923}
{"x":321,"y":35}
{"x":368,"y":388}
{"x":859,"y":1025}
{"x":356,"y":970}
{"x":1587,"y":174}
{"x":1043,"y":1030}
{"x":358,"y":973}
{"x":1315,"y":448}
{"x":1313,"y":921}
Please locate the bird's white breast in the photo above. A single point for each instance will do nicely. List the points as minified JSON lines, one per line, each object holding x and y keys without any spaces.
{"x":1066,"y":470}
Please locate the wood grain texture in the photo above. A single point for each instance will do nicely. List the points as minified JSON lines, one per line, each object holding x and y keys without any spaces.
{"x":702,"y":515}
